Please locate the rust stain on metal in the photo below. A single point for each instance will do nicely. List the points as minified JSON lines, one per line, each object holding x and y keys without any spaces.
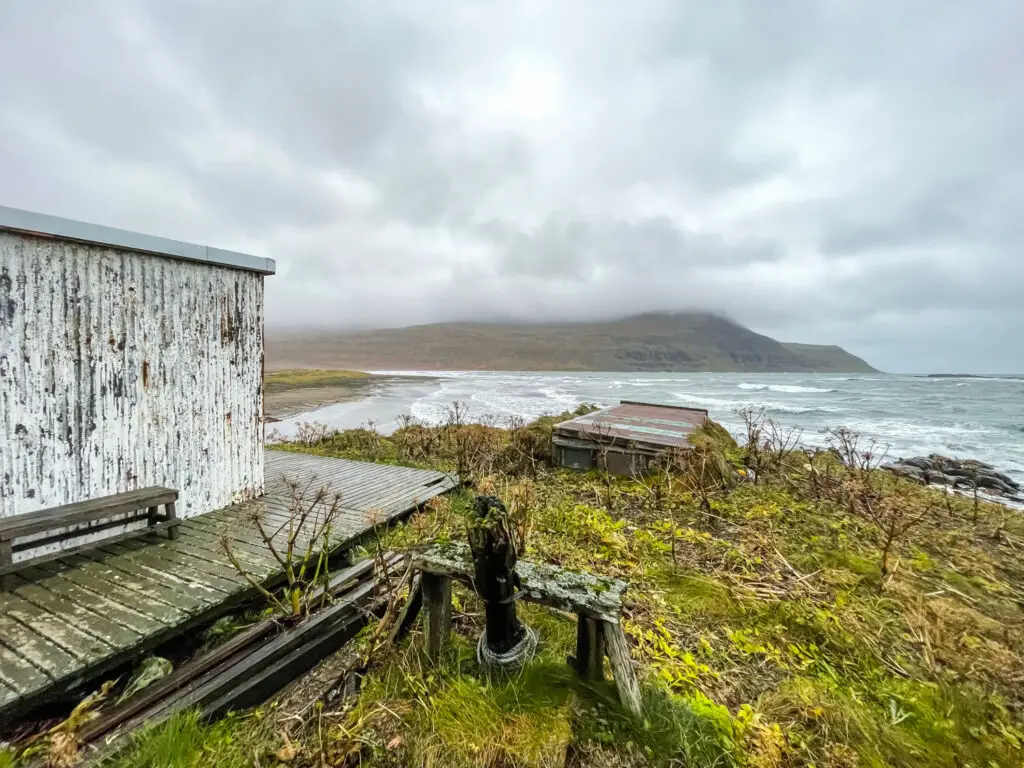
{"x":79,"y":419}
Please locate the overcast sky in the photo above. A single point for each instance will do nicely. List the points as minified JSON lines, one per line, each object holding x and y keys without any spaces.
{"x":842,"y":171}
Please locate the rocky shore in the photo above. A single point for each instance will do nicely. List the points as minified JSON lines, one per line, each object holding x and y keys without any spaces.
{"x":960,"y":475}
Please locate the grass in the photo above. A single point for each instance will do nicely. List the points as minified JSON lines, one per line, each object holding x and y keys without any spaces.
{"x":763,"y":627}
{"x":185,"y":741}
{"x":301,"y":378}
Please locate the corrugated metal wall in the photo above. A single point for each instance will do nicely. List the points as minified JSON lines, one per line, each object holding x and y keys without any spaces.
{"x":120,"y":370}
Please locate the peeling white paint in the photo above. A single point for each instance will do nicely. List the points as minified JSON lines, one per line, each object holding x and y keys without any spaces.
{"x":121,"y":370}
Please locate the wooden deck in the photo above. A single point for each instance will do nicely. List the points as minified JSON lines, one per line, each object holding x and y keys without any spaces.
{"x":73,"y":618}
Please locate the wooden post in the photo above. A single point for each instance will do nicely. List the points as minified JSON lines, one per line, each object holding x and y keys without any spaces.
{"x":172,"y":531}
{"x":622,"y":667}
{"x":589,"y":660}
{"x":152,"y":516}
{"x":495,"y":579}
{"x":437,"y":618}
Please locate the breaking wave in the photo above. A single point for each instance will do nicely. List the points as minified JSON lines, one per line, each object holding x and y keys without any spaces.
{"x":792,"y":388}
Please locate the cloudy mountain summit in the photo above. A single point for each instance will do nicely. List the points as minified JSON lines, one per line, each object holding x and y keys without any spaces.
{"x":845,"y":172}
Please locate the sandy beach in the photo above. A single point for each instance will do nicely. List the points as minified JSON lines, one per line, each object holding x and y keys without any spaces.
{"x":289,"y":394}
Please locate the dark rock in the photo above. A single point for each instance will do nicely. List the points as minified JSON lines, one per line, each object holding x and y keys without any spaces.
{"x":1006,"y":479}
{"x":907,"y":470}
{"x":920,"y":463}
{"x":938,"y":478}
{"x":959,"y":472}
{"x":974,"y":463}
{"x":992,"y":482}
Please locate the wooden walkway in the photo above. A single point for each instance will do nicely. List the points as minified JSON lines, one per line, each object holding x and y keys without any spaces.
{"x":71,"y":619}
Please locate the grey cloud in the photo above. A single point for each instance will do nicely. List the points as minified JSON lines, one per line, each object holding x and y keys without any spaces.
{"x":579,"y":248}
{"x":839,"y":172}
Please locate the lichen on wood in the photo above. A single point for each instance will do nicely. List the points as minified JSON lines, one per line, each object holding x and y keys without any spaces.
{"x":599,"y":597}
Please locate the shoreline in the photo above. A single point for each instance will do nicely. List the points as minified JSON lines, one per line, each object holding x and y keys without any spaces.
{"x":968,"y":418}
{"x":287,"y":401}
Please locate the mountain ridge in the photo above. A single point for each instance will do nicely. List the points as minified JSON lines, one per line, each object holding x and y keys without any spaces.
{"x":677,"y":342}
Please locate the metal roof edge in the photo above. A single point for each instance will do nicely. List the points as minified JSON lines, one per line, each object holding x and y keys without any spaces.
{"x":663,"y":405}
{"x":45,"y":225}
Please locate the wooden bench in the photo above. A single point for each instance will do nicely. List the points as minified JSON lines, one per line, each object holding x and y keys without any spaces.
{"x":596,"y":601}
{"x":86,"y":512}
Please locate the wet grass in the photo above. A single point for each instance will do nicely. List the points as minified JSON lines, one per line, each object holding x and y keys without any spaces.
{"x":185,"y":741}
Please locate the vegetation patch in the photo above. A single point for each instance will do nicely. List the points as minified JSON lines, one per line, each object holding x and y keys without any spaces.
{"x":786,"y":607}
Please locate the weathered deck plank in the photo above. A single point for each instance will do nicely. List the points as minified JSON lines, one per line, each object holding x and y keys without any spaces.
{"x":167,"y":615}
{"x":180,"y":578}
{"x":106,"y":604}
{"x":122,"y":571}
{"x":182,"y":558}
{"x":57,"y":630}
{"x":18,"y":640}
{"x":207,"y":541}
{"x":20,"y":675}
{"x":81,"y":614}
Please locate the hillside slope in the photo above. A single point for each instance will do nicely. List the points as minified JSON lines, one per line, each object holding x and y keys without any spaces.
{"x":655,"y":342}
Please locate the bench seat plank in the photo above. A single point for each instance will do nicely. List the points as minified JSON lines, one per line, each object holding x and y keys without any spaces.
{"x":45,"y":520}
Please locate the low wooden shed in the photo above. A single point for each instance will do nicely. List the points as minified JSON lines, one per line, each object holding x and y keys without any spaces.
{"x":126,"y":361}
{"x":625,"y":438}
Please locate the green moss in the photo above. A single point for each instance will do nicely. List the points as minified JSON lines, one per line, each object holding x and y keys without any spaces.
{"x":850,"y":561}
{"x":702,"y":596}
{"x":922,"y":562}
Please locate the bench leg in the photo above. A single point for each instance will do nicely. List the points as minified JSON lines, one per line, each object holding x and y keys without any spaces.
{"x":437,"y":617}
{"x":622,"y":667}
{"x":153,"y":516}
{"x":172,"y":531}
{"x":589,"y":659}
{"x":6,"y":559}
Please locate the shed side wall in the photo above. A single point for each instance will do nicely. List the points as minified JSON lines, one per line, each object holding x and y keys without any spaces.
{"x":121,"y":370}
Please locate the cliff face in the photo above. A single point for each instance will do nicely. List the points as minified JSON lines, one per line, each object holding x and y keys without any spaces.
{"x":657,"y":342}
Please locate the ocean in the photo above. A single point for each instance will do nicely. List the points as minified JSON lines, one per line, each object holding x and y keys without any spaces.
{"x":981,"y":418}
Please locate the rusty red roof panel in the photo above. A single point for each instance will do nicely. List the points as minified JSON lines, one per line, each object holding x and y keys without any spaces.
{"x":658,"y":425}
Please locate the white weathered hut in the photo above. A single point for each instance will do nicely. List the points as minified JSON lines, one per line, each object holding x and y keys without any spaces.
{"x":126,"y":361}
